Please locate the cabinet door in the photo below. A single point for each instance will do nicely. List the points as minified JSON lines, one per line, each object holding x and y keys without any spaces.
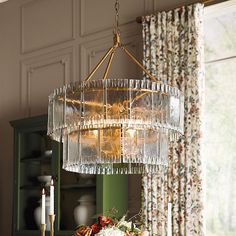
{"x":33,"y":171}
{"x":74,"y":189}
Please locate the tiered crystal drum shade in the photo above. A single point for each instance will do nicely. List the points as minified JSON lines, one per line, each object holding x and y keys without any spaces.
{"x":115,"y":126}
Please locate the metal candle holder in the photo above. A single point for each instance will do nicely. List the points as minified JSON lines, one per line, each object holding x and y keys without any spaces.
{"x":52,"y":220}
{"x":42,"y":229}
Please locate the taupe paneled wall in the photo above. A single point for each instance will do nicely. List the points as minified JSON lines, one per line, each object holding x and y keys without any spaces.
{"x":61,"y":40}
{"x":47,"y":43}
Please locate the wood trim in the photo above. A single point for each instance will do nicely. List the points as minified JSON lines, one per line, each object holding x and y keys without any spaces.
{"x":220,"y":60}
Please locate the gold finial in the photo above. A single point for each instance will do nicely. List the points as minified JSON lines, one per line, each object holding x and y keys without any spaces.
{"x":116,"y":39}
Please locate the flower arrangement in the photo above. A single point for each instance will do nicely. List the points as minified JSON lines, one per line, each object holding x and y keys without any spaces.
{"x":107,"y":226}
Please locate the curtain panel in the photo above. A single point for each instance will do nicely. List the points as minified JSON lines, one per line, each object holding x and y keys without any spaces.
{"x":173,"y":53}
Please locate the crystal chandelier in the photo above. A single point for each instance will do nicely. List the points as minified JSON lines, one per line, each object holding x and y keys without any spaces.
{"x":115,"y":126}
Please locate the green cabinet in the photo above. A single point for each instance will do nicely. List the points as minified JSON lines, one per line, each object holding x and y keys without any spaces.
{"x":36,"y":158}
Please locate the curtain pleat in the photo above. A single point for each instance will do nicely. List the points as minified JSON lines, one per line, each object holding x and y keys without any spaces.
{"x":173,"y":53}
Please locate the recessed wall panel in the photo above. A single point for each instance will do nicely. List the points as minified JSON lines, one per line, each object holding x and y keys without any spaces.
{"x":42,"y":82}
{"x":45,"y":23}
{"x":40,"y":76}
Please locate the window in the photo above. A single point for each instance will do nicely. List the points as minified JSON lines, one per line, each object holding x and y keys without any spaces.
{"x":219,"y":146}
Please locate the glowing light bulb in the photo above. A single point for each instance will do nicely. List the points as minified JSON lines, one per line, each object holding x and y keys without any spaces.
{"x":131,"y":132}
{"x":93,"y":133}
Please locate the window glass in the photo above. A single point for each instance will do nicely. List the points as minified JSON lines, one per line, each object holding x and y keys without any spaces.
{"x":219,"y":137}
{"x":220,"y":33}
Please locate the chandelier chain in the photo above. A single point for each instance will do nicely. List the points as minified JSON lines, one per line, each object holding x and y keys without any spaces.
{"x":117,"y":9}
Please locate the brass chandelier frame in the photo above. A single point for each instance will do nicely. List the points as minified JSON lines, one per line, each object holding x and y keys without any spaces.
{"x":111,"y":52}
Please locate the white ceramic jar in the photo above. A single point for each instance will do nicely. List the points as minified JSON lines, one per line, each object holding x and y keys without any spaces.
{"x":37,"y":214}
{"x":86,"y":209}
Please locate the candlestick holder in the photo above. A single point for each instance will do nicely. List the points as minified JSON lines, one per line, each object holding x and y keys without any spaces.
{"x":52,"y":220}
{"x":43,"y":229}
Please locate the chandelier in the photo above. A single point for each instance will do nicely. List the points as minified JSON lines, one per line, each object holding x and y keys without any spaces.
{"x":115,"y":126}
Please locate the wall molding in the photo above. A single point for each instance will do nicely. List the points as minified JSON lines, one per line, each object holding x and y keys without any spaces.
{"x":30,"y":66}
{"x":24,"y":49}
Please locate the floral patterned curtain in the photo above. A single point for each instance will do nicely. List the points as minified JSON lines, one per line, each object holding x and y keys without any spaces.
{"x":173,"y":52}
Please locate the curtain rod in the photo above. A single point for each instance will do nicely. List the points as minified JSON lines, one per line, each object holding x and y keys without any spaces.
{"x":205,"y":2}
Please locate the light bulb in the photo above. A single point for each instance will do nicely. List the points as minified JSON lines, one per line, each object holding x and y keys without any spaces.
{"x":131,"y":132}
{"x":94,"y":133}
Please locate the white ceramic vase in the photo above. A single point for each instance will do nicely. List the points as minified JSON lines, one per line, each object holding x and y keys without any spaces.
{"x":45,"y":179}
{"x":84,"y":212}
{"x":37,"y":214}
